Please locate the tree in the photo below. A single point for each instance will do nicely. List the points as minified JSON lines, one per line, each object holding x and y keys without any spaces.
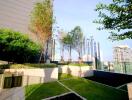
{"x":16,"y":47}
{"x":41,"y":22}
{"x":77,"y":37}
{"x":61,"y":36}
{"x":67,"y":41}
{"x":73,"y":40}
{"x":118,"y":18}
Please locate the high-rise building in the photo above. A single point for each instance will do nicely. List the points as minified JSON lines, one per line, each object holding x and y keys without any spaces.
{"x":122,"y":59}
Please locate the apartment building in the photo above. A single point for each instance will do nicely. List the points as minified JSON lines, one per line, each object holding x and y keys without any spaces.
{"x":122,"y":58}
{"x":15,"y":14}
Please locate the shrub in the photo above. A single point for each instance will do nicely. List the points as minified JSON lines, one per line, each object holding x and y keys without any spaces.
{"x":51,"y":65}
{"x":77,"y":64}
{"x":17,"y":47}
{"x":4,"y":66}
{"x":27,"y":65}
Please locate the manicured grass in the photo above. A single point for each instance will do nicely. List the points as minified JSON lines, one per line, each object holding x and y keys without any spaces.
{"x":86,"y":88}
{"x":77,"y":64}
{"x":94,"y":91}
{"x":41,"y":91}
{"x":17,"y":66}
{"x":62,"y":76}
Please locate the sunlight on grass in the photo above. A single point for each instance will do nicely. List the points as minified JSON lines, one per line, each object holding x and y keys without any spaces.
{"x":41,"y":91}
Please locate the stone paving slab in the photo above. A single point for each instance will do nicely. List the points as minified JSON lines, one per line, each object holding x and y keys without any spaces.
{"x":16,"y":93}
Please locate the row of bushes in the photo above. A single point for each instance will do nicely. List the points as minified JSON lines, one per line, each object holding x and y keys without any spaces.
{"x":7,"y":66}
{"x":17,"y":47}
{"x":75,"y":63}
{"x":28,"y":65}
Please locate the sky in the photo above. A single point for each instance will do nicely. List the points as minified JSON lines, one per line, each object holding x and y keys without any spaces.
{"x":71,"y":13}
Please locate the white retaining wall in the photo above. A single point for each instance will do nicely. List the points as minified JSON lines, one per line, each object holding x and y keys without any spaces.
{"x":34,"y":76}
{"x":76,"y":70}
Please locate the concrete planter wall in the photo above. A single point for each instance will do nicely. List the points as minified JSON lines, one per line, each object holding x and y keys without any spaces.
{"x":76,"y":70}
{"x":129,"y":86}
{"x":34,"y":76}
{"x":1,"y":82}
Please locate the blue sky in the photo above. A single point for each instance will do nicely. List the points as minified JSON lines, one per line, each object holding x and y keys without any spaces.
{"x":70,"y":13}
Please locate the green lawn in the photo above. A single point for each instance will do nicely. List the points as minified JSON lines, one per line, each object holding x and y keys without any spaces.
{"x":86,"y":88}
{"x":41,"y":91}
{"x":65,"y":76}
{"x":93,"y":91}
{"x":80,"y":65}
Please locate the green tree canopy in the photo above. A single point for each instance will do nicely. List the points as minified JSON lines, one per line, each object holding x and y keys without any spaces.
{"x":42,"y":20}
{"x":67,"y":42}
{"x":73,"y":40}
{"x":77,"y":36}
{"x":17,"y":47}
{"x":116,"y":17}
{"x":41,"y":24}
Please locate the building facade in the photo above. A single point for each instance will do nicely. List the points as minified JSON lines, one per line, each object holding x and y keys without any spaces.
{"x":16,"y":14}
{"x":122,"y":59}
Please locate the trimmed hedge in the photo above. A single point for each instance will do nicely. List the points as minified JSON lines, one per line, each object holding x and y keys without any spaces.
{"x":77,"y":64}
{"x":27,"y":66}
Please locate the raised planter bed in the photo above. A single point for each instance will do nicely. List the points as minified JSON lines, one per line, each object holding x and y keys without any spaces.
{"x":36,"y":75}
{"x":76,"y":70}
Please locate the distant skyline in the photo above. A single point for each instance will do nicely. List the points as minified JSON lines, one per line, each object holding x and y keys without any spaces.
{"x":71,"y":13}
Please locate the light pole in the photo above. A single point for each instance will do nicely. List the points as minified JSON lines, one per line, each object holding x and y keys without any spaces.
{"x":88,"y":49}
{"x":91,"y":43}
{"x":98,"y":56}
{"x":95,"y":56}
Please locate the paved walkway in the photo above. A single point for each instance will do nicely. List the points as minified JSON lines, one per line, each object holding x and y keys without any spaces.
{"x":12,"y":94}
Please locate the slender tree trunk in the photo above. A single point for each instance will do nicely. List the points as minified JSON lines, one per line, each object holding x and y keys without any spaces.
{"x":79,"y":54}
{"x":53,"y":49}
{"x":70,"y":53}
{"x":63,"y":52}
{"x":42,"y":52}
{"x":41,"y":55}
{"x":46,"y":52}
